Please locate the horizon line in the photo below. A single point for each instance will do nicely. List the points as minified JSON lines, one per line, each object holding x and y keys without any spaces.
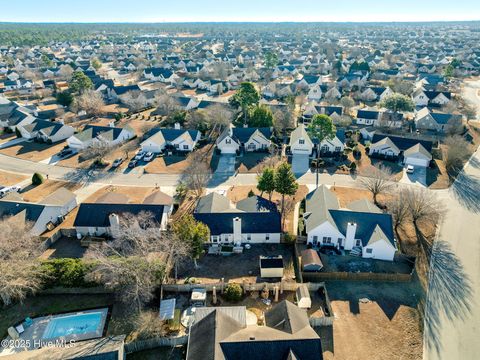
{"x":240,"y":22}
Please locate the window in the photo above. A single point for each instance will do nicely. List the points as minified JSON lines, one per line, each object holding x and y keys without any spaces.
{"x":327,"y":240}
{"x":267,"y":237}
{"x":369,"y":251}
{"x":340,"y":241}
{"x":177,"y":146}
{"x":251,"y":146}
{"x":357,"y":243}
{"x":301,"y":141}
{"x":338,"y":149}
{"x":249,"y":237}
{"x":185,"y":147}
{"x":315,"y":240}
{"x":228,"y":141}
{"x":324,"y":148}
{"x":214,"y":238}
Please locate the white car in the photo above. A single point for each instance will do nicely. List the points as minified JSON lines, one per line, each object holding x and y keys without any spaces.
{"x":410,"y":169}
{"x":6,"y":190}
{"x":148,"y":156}
{"x":139,"y":155}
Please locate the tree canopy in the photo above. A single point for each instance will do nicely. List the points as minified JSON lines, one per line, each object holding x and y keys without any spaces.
{"x":398,"y":102}
{"x":245,"y":97}
{"x":80,"y":82}
{"x":266,"y":182}
{"x":260,"y":116}
{"x":321,"y":127}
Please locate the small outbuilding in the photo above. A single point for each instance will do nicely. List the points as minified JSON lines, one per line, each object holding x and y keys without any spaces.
{"x":271,"y":266}
{"x":304,"y":301}
{"x":311,"y":261}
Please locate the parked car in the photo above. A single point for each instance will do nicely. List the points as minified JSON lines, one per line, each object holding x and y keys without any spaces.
{"x":65,"y":152}
{"x":133,"y":163}
{"x":410,"y":169}
{"x":116,"y":163}
{"x":139,"y":155}
{"x":148,"y":156}
{"x":8,"y":189}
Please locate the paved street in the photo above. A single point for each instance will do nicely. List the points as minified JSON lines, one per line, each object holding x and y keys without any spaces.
{"x":452,"y":319}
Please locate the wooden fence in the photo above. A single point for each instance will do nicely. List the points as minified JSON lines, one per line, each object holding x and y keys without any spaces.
{"x":321,"y":321}
{"x":141,"y":345}
{"x":283,"y":286}
{"x":350,"y":276}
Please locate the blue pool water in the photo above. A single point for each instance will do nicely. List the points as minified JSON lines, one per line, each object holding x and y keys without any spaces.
{"x":77,"y":324}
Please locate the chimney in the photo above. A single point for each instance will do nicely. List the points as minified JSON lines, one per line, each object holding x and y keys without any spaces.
{"x":237,"y":231}
{"x":114,"y":223}
{"x":350,"y":236}
{"x":176,"y":126}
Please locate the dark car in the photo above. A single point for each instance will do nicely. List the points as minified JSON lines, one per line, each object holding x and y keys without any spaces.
{"x":132,"y":163}
{"x":65,"y":152}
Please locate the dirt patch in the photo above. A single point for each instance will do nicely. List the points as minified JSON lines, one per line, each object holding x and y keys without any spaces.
{"x":347,"y":195}
{"x":237,"y":267}
{"x":36,"y":193}
{"x":437,"y":176}
{"x":373,"y":321}
{"x":33,"y":151}
{"x":249,"y":162}
{"x":9,"y":179}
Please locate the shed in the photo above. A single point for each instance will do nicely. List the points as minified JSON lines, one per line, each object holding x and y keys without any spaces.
{"x":271,"y":266}
{"x":311,"y":261}
{"x":167,"y":309}
{"x":199,"y":297}
{"x":303,"y":297}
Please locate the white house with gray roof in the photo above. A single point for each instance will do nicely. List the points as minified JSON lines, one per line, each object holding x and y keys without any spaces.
{"x":92,"y":133}
{"x":180,"y":139}
{"x":361,"y":227}
{"x":46,"y":130}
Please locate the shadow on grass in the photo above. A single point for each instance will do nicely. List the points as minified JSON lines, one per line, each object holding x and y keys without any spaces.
{"x":449,"y":293}
{"x":466,"y":190}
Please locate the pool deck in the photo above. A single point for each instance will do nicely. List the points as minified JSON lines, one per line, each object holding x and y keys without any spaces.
{"x":32,"y":337}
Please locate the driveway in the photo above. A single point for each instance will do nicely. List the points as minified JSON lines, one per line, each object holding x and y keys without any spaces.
{"x":12,"y":142}
{"x":418,"y":177}
{"x":300,"y":164}
{"x":225,"y":169}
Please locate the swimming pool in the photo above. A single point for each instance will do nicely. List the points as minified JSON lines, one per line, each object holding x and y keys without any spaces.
{"x":76,"y":326}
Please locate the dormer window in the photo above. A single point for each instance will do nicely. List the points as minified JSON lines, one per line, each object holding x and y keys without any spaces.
{"x":228,"y":141}
{"x":301,"y":141}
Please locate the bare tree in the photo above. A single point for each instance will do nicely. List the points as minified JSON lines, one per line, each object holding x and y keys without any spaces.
{"x":65,"y":72}
{"x":97,"y":150}
{"x":218,"y":117}
{"x":166,"y":104}
{"x":197,"y":174}
{"x":91,"y":102}
{"x":398,"y":207}
{"x":20,"y":270}
{"x":457,"y":152}
{"x":137,"y":260}
{"x":377,"y":180}
{"x":283,"y":120}
{"x":135,"y":100}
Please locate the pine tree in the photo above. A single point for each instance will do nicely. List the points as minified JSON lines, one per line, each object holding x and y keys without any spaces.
{"x":285,"y":183}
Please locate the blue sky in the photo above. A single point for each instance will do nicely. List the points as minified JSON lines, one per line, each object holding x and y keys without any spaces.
{"x":240,"y":10}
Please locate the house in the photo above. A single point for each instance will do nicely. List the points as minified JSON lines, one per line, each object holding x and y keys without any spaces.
{"x":44,"y":215}
{"x":251,"y":220}
{"x":361,"y":227}
{"x":437,"y":121}
{"x":94,"y":133}
{"x":117,"y":91}
{"x":333,"y":146}
{"x":423,"y":97}
{"x":367,"y":117}
{"x":180,"y":139}
{"x":47,"y":131}
{"x":271,"y":266}
{"x":220,"y":333}
{"x":103,"y":219}
{"x":234,"y":139}
{"x":300,"y":142}
{"x":18,"y":115}
{"x":160,"y":74}
{"x":415,"y":152}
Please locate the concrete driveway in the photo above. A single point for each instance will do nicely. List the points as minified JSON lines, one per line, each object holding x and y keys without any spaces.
{"x":12,"y":142}
{"x":300,"y":164}
{"x":418,"y":177}
{"x":225,"y":169}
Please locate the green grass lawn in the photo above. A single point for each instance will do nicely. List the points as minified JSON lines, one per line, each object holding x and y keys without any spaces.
{"x":49,"y":304}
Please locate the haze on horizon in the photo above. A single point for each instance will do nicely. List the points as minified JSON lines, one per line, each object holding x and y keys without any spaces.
{"x":245,"y":11}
